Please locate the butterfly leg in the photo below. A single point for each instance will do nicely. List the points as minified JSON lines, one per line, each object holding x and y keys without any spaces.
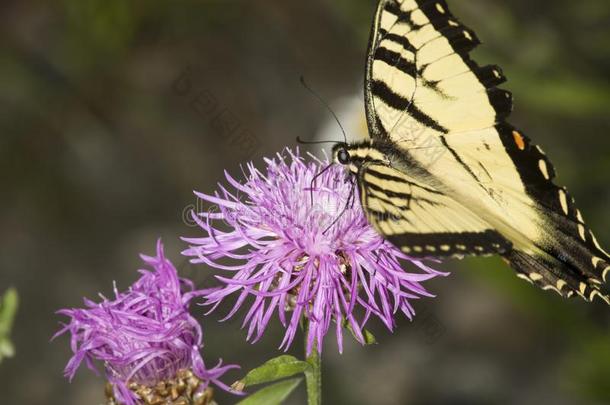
{"x":313,"y":181}
{"x":349,"y":202}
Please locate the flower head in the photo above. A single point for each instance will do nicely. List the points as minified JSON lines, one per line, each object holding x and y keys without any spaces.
{"x":144,"y":336}
{"x":301,"y":247}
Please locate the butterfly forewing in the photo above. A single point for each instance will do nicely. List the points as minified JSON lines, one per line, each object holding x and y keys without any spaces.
{"x":419,"y":69}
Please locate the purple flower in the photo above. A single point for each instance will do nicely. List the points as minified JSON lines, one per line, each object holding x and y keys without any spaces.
{"x":303,"y":251}
{"x":144,"y":336}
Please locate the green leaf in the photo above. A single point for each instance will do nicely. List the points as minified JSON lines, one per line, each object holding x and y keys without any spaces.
{"x":273,"y":370}
{"x":8,"y":309}
{"x":369,"y":338}
{"x":274,"y":394}
{"x":313,"y":376}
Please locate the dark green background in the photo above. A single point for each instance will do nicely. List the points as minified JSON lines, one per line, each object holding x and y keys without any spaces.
{"x":100,"y":153}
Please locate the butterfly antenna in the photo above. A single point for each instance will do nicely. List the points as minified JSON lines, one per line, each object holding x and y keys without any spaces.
{"x":325,"y":104}
{"x":302,"y":142}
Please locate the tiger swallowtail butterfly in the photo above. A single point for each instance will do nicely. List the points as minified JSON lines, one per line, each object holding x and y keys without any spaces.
{"x":444,"y":174}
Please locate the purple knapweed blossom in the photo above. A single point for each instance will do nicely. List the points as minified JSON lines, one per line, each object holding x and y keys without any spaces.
{"x":301,"y":249}
{"x":144,"y":336}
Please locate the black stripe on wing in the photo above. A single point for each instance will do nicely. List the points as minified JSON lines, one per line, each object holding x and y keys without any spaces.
{"x":393,"y":7}
{"x":400,"y":103}
{"x":396,"y":60}
{"x":451,"y":244}
{"x":398,"y":39}
{"x":384,"y":176}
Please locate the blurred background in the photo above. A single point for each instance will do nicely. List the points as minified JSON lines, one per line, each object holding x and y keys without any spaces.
{"x":112,"y":112}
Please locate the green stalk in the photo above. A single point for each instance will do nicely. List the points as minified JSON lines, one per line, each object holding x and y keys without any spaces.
{"x":313,"y":376}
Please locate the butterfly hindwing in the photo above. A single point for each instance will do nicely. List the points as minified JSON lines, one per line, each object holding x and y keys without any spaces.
{"x":510,"y":185}
{"x":569,"y":242}
{"x":422,"y":221}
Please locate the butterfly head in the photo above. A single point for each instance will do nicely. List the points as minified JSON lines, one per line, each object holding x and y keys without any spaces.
{"x":342,"y":155}
{"x":353,"y":156}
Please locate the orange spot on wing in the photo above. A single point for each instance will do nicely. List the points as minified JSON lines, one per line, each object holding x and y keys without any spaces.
{"x":519,"y":140}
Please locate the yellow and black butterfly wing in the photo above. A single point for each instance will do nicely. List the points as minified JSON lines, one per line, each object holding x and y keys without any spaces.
{"x":421,"y":220}
{"x":445,"y":114}
{"x":419,"y":74}
{"x":552,"y":246}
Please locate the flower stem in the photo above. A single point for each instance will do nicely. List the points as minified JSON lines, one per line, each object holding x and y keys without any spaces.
{"x":313,"y":376}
